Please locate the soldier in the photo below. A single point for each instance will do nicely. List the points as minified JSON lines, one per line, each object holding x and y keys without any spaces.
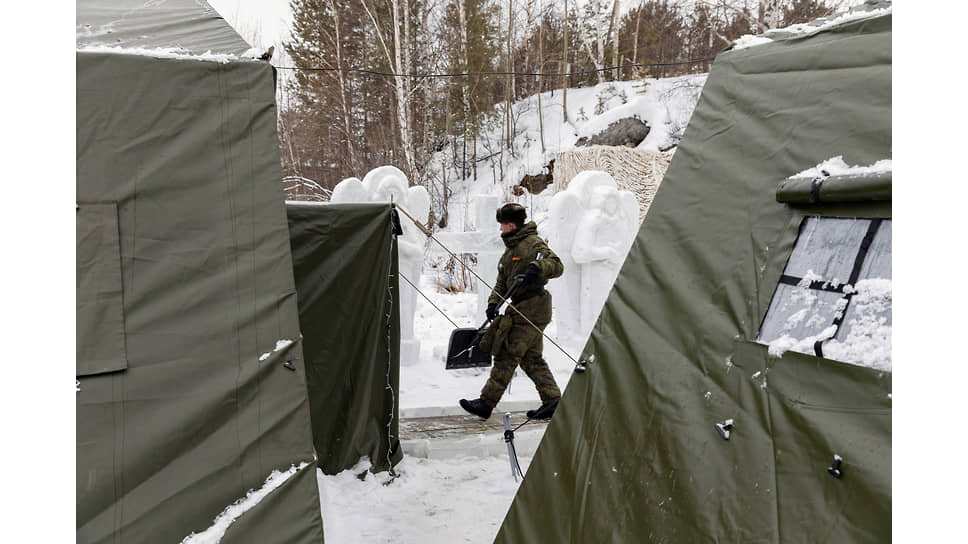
{"x":529,"y":261}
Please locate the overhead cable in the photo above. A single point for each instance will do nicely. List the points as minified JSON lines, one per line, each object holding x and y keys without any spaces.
{"x":468,"y":74}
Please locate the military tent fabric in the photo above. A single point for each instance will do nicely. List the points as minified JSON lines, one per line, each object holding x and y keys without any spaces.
{"x":186,"y":152}
{"x":188,"y":26}
{"x":345,"y":264}
{"x":633,"y":454}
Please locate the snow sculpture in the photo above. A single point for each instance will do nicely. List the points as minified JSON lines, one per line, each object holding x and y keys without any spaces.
{"x":593,"y":225}
{"x":564,"y":212}
{"x":488,"y":253}
{"x":389,"y":184}
{"x":349,"y":190}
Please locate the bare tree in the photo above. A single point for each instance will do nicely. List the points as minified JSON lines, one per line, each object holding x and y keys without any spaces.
{"x":567,"y":66}
{"x":354,"y":162}
{"x":401,"y":80}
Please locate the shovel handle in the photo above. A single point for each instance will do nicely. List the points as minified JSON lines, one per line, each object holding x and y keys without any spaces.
{"x":507,"y":296}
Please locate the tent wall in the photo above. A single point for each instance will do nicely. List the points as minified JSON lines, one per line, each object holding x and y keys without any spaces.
{"x":186,"y":153}
{"x":345,"y":263}
{"x":632,"y":454}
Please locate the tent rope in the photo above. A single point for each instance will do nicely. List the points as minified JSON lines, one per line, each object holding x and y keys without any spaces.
{"x":503,"y":300}
{"x":389,"y":316}
{"x":417,"y":289}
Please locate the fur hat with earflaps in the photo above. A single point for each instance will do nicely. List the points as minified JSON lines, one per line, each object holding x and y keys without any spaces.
{"x":512,"y":213}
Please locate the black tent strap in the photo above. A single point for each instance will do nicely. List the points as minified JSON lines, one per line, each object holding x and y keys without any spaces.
{"x":815,"y":189}
{"x":816,"y":285}
{"x":859,"y":259}
{"x":828,"y":189}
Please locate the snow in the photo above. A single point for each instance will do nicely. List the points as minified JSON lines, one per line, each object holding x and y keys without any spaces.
{"x":836,"y":166}
{"x":429,"y":502}
{"x":748,"y":40}
{"x":868,"y":341}
{"x":280,"y":344}
{"x":162,"y":53}
{"x":214,"y":534}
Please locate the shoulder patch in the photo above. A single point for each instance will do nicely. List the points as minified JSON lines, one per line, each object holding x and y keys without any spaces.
{"x":515,"y":258}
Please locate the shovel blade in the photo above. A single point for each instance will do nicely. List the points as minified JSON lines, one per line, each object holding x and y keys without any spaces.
{"x":464,"y":351}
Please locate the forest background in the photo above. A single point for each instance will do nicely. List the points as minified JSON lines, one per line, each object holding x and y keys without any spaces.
{"x":401,"y":82}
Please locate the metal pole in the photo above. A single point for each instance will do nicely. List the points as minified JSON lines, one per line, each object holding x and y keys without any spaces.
{"x":509,"y":440}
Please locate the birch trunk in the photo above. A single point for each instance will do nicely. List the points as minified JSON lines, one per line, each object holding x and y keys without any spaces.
{"x":354,"y":163}
{"x":465,"y":99}
{"x":402,"y":84}
{"x":614,"y":27}
{"x":540,"y":70}
{"x":509,"y":87}
{"x":564,"y":64}
{"x":635,"y":39}
{"x":599,"y":42}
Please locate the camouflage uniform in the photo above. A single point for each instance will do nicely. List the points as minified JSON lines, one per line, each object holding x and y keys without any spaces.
{"x":525,"y":343}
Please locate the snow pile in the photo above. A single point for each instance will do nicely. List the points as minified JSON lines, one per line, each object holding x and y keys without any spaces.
{"x":868,"y":341}
{"x":214,"y":534}
{"x":836,"y":166}
{"x":868,"y":338}
{"x":638,"y":107}
{"x":431,"y":501}
{"x":162,"y":53}
{"x":749,"y":40}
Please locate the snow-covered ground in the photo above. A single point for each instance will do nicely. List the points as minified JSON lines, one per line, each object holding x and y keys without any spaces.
{"x":440,"y":501}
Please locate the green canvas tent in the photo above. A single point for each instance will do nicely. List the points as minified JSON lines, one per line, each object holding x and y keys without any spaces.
{"x":345,"y":263}
{"x":634,"y":453}
{"x":191,"y":382}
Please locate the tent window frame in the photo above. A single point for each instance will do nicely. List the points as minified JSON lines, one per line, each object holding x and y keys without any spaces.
{"x":860,"y":257}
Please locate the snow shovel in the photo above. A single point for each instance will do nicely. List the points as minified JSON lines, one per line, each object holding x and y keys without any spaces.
{"x":464,"y":349}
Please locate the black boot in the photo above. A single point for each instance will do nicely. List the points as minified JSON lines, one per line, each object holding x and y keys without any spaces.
{"x":477,"y":407}
{"x":544,"y":412}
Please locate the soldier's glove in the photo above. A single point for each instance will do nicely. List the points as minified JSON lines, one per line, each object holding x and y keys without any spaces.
{"x":532,"y":274}
{"x":491,"y":311}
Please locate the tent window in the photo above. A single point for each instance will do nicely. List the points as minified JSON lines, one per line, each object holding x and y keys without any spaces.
{"x":834,"y":297}
{"x":100,"y":313}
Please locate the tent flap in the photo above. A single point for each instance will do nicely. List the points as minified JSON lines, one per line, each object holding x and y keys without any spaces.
{"x":100,"y":304}
{"x":345,"y":263}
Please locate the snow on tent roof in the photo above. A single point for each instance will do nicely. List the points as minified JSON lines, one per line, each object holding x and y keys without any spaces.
{"x":869,"y":9}
{"x":186,"y":25}
{"x":633,"y":453}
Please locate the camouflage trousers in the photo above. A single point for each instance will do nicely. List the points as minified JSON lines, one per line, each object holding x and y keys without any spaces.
{"x":525,"y":344}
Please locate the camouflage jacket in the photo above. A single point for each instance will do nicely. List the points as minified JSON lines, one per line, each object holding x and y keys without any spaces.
{"x":523,"y":248}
